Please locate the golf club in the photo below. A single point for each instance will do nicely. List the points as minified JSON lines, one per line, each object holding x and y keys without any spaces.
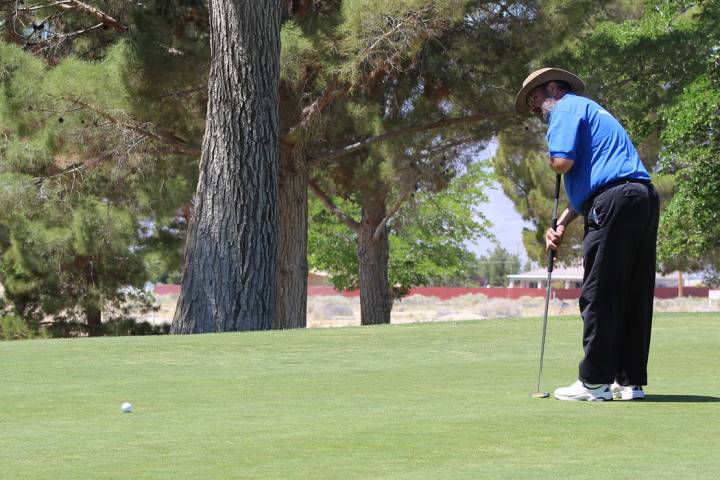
{"x":551,"y":258}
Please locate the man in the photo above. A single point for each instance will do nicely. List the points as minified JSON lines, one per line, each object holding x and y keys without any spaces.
{"x":606,"y":182}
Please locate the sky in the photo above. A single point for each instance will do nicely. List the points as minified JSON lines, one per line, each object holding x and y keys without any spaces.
{"x":507,"y":224}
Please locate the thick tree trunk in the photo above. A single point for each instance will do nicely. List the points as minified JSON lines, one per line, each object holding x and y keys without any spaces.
{"x":93,"y":317}
{"x":375,"y":299}
{"x":229,"y":278}
{"x":292,"y":271}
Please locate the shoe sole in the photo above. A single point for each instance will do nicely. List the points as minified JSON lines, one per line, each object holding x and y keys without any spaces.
{"x":629,"y":396}
{"x":583,"y":398}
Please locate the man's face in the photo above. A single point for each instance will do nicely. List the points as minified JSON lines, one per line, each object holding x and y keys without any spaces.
{"x":541,"y":101}
{"x":535,"y":99}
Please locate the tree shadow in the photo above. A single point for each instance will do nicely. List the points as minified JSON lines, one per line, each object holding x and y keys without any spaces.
{"x":681,"y":398}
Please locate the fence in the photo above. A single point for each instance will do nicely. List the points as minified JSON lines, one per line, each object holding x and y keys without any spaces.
{"x":445,"y":293}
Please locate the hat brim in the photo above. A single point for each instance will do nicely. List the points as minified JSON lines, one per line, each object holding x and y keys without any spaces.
{"x":540,"y":77}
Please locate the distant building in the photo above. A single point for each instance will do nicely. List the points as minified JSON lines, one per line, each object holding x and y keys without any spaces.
{"x":571,"y":277}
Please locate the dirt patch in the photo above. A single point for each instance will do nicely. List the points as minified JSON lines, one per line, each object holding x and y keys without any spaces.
{"x":338,"y":311}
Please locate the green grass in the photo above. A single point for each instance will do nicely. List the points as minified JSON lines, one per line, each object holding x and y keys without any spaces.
{"x":437,"y":401}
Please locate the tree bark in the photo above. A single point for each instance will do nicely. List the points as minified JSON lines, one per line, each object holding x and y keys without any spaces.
{"x":229,"y":278}
{"x":373,"y":252}
{"x":93,"y":317}
{"x":292,"y":271}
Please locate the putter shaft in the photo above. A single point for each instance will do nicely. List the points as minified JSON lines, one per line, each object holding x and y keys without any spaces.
{"x":544,"y":330}
{"x":550,"y":263}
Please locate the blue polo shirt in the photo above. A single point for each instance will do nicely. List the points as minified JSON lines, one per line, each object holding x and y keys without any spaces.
{"x":581,"y":130}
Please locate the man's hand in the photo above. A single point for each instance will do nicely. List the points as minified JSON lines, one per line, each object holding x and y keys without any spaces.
{"x":554,"y":237}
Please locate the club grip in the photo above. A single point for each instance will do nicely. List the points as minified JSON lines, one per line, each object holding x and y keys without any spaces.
{"x":553,"y":222}
{"x":551,"y":252}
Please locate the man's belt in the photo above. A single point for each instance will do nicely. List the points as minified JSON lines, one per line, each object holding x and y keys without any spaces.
{"x":615,"y":183}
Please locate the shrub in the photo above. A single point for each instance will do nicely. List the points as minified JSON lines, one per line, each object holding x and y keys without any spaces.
{"x":130,"y":326}
{"x":13,"y":328}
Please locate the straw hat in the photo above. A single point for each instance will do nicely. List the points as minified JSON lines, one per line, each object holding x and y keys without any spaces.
{"x":539,"y":77}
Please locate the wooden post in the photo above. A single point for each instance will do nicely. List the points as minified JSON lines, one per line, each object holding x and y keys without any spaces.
{"x":680,"y":284}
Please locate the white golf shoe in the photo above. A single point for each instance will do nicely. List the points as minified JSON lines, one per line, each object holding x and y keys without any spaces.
{"x":627,"y":392}
{"x":580,"y":392}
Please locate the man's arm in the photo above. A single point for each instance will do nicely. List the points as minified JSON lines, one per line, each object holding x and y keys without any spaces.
{"x":560,"y":165}
{"x":554,"y":237}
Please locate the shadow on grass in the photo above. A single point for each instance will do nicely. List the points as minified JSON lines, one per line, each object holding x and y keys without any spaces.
{"x":681,"y":398}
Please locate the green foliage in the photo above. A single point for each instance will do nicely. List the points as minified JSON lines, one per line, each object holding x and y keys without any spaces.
{"x":29,"y":157}
{"x":16,"y":189}
{"x":626,"y":65}
{"x":690,"y":227}
{"x":49,"y":268}
{"x":296,"y":51}
{"x":427,"y":237}
{"x":131,"y":327}
{"x":487,"y":270}
{"x":97,"y":158}
{"x":497,"y":265}
{"x":99,"y":229}
{"x":332,"y":246}
{"x":120,"y":315}
{"x":380,"y":34}
{"x":13,"y":328}
{"x":164,"y":262}
{"x":53,"y":31}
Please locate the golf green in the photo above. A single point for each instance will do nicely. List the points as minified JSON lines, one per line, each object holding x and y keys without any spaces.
{"x":438,"y":401}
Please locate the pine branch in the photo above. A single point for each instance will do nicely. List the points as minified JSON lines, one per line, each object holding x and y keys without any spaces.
{"x":337,"y":89}
{"x":313,"y":110}
{"x":70,"y":169}
{"x":40,"y":7}
{"x":328,"y":203}
{"x":366,"y":52}
{"x":180,"y":145}
{"x":393,"y":211}
{"x":80,"y":32}
{"x":82,"y":7}
{"x":405,"y":130}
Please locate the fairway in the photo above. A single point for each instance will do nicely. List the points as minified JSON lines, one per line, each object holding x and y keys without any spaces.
{"x":435,"y":401}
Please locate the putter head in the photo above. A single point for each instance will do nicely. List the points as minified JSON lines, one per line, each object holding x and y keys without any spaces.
{"x":540,"y":395}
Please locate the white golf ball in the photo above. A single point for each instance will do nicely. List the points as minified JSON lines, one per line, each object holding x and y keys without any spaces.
{"x":126,"y":407}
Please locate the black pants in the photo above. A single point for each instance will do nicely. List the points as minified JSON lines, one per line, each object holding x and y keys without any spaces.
{"x":616,"y":302}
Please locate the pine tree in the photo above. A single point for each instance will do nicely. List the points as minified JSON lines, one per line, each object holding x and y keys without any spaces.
{"x":97,"y":165}
{"x":375,"y":99}
{"x":429,"y":78}
{"x":230,"y":260}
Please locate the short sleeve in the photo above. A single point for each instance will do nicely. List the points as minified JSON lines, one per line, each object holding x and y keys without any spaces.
{"x":562,"y":135}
